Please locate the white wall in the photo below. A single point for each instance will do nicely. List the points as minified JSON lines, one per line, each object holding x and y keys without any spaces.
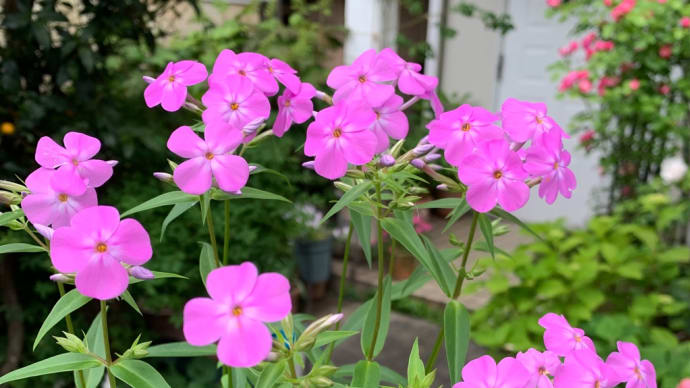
{"x":370,"y":24}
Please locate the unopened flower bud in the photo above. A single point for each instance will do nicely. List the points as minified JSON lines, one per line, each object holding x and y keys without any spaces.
{"x":324,"y":96}
{"x":24,"y":194}
{"x":386,"y":160}
{"x":172,"y":165}
{"x":435,"y":167}
{"x":322,"y":382}
{"x":418,"y":163}
{"x":442,"y":187}
{"x":45,"y":231}
{"x":422,"y":149}
{"x":251,"y":127}
{"x":112,"y":163}
{"x":163,"y":177}
{"x":272,"y":356}
{"x":309,"y":164}
{"x":11,"y":186}
{"x":140,"y":272}
{"x":354,"y":173}
{"x":342,"y":186}
{"x":424,"y":140}
{"x":9,"y":198}
{"x":252,"y":168}
{"x":148,"y":79}
{"x":71,"y":343}
{"x":59,"y":278}
{"x":395,"y":150}
{"x":432,"y":156}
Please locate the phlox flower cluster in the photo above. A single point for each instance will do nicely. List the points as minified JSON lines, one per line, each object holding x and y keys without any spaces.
{"x":86,"y":240}
{"x":569,"y":361}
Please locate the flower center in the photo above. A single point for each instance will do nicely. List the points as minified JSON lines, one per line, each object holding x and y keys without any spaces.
{"x":270,"y":69}
{"x":62,"y":197}
{"x":597,"y":384}
{"x":362,"y":79}
{"x":171,"y":78}
{"x":237,"y":311}
{"x":542,"y":371}
{"x":498,"y":174}
{"x":209,"y":155}
{"x":234,"y":106}
{"x":378,"y":115}
{"x":242,"y":72}
{"x":337,"y":132}
{"x":466,"y":127}
{"x":555,"y":166}
{"x":637,"y":372}
{"x":75,"y":162}
{"x":101,"y":247}
{"x":539,"y":120}
{"x":287,"y":102}
{"x":578,"y":338}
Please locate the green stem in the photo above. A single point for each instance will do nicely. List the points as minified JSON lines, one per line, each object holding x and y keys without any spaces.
{"x":106,"y":342}
{"x":212,"y":235}
{"x":379,"y":292}
{"x":291,"y":364}
{"x":228,"y":373}
{"x":226,"y":237}
{"x":341,"y":292}
{"x":70,"y":329}
{"x":35,"y":238}
{"x":456,"y":293}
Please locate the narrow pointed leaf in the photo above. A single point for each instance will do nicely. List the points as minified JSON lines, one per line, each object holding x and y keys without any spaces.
{"x":370,"y":322}
{"x":456,"y":324}
{"x":65,"y":305}
{"x":20,"y":247}
{"x":249,"y":193}
{"x":205,"y":206}
{"x":94,"y":338}
{"x":65,"y":362}
{"x":459,"y":211}
{"x":165,"y":199}
{"x":138,"y":374}
{"x":507,"y":216}
{"x":127,"y":297}
{"x":367,"y":374}
{"x":6,"y":218}
{"x":443,"y":203}
{"x":327,"y":337}
{"x":488,"y":233}
{"x":349,"y":196}
{"x":270,"y":375}
{"x":415,"y":365}
{"x":177,"y":210}
{"x":207,"y":263}
{"x":362,"y":226}
{"x":181,"y":349}
{"x":441,"y":270}
{"x":157,"y":275}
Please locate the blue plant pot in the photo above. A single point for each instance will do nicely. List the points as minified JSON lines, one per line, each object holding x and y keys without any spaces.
{"x":314,"y":259}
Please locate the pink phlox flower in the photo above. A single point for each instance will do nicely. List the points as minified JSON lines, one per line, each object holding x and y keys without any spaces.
{"x":550,"y":161}
{"x":606,"y":82}
{"x":568,"y":49}
{"x":250,"y":65}
{"x":585,"y":86}
{"x":233,"y":103}
{"x":421,"y":225}
{"x":54,"y":201}
{"x":608,"y":3}
{"x":240,"y":302}
{"x":685,"y":22}
{"x":627,"y":367}
{"x":285,"y":74}
{"x":208,"y":158}
{"x":494,"y":173}
{"x":74,"y":160}
{"x":665,"y":51}
{"x":584,"y":368}
{"x":684,"y":383}
{"x":435,"y":102}
{"x":571,"y":78}
{"x":362,"y":80}
{"x":665,"y":89}
{"x":603,"y":45}
{"x":95,"y":246}
{"x":540,"y":366}
{"x":483,"y":372}
{"x":390,"y":121}
{"x":622,"y":9}
{"x":588,"y":39}
{"x":634,"y":84}
{"x":460,"y":131}
{"x":294,"y":107}
{"x":412,"y":82}
{"x":553,"y":3}
{"x":563,"y":339}
{"x":340,"y":135}
{"x":170,"y":88}
{"x":523,"y":120}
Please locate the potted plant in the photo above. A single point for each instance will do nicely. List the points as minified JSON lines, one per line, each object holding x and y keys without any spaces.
{"x":313,"y":245}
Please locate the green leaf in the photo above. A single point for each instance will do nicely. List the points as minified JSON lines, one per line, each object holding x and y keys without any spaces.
{"x":456,"y":324}
{"x":507,"y":216}
{"x":127,"y":297}
{"x":6,"y":218}
{"x":362,"y":226}
{"x":249,"y":193}
{"x":440,"y":269}
{"x":94,"y":339}
{"x":415,"y":365}
{"x":205,"y":206}
{"x":370,"y":322}
{"x":138,"y":374}
{"x":443,"y":203}
{"x":349,"y":196}
{"x":207,"y":262}
{"x":61,"y":363}
{"x":177,"y":210}
{"x":157,"y":275}
{"x":181,"y":349}
{"x":327,"y":337}
{"x":165,"y":199}
{"x":20,"y":247}
{"x":367,"y":375}
{"x":488,"y":233}
{"x":459,"y":211}
{"x":65,"y":305}
{"x":270,"y":375}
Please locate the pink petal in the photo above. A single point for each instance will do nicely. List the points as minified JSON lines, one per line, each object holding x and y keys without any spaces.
{"x":40,"y":208}
{"x":231,"y":172}
{"x":302,"y":110}
{"x":512,"y":195}
{"x":458,"y":148}
{"x":339,"y":76}
{"x":270,"y":301}
{"x":130,"y":243}
{"x":174,"y":95}
{"x":70,"y":250}
{"x":102,"y":278}
{"x":282,"y":123}
{"x":511,"y":374}
{"x":194,"y":72}
{"x":257,"y":105}
{"x":396,"y":125}
{"x":232,"y":284}
{"x":475,"y":169}
{"x":382,"y":141}
{"x":330,"y":162}
{"x":376,"y":94}
{"x":153,"y":94}
{"x":480,"y":370}
{"x":39,"y":180}
{"x":245,"y":344}
{"x":49,"y":154}
{"x":96,"y":172}
{"x":291,"y":81}
{"x":482,"y":196}
{"x":98,"y":221}
{"x":359,"y":147}
{"x":186,"y":143}
{"x":204,"y":321}
{"x":66,"y":180}
{"x":81,"y":146}
{"x":194,"y":175}
{"x":220,"y":139}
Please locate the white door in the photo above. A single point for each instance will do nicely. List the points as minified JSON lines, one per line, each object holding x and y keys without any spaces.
{"x":527,"y":52}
